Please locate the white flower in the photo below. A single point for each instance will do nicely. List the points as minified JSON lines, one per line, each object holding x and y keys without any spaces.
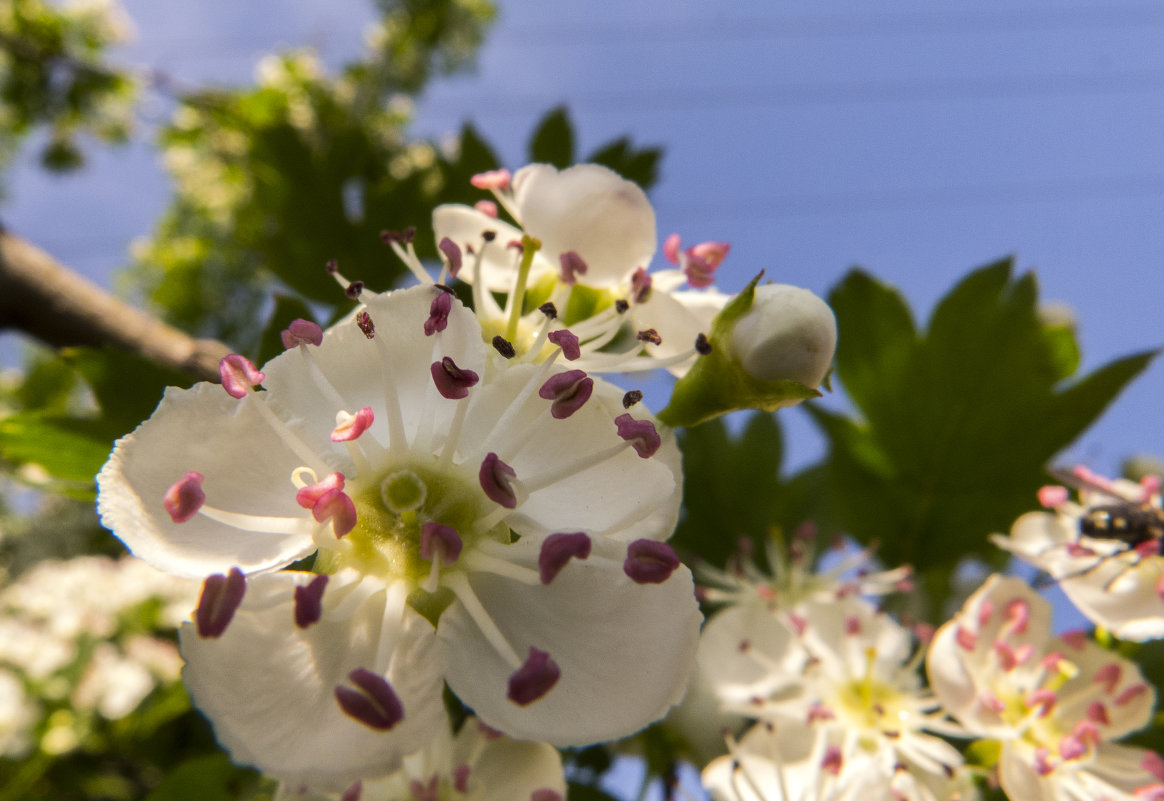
{"x":585,"y":240}
{"x":478,"y":764}
{"x":1104,"y":551}
{"x":1055,"y":703}
{"x":788,"y":334}
{"x":409,"y":455}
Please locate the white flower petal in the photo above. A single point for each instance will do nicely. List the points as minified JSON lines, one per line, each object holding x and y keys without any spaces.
{"x":464,"y":225}
{"x":268,"y":686}
{"x":247,"y":466}
{"x":625,"y":650}
{"x":592,"y":211}
{"x":745,"y":652}
{"x":678,"y":317}
{"x":502,"y":769}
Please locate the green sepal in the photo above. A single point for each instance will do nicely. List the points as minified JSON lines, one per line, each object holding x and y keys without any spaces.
{"x":717,"y":383}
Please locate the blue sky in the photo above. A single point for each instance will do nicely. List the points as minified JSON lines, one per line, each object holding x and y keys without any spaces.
{"x":916,"y":141}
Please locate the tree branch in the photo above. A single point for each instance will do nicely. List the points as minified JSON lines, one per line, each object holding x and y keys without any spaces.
{"x":42,"y":297}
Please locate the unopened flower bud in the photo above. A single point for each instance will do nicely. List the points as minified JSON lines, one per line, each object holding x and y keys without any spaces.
{"x":789,"y":333}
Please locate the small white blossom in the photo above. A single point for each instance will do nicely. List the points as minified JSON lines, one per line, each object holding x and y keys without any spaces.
{"x":1054,"y":703}
{"x":788,"y":334}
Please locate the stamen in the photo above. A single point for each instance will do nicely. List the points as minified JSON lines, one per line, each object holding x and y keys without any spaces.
{"x":451,"y":381}
{"x":264,"y":524}
{"x":310,"y":494}
{"x":437,"y":539}
{"x":185,"y":497}
{"x":461,"y":778}
{"x":354,"y":791}
{"x":301,"y":333}
{"x":486,"y":207}
{"x":221,"y":596}
{"x":565,"y":340}
{"x":650,"y":561}
{"x":336,"y":507}
{"x":557,"y":550}
{"x":572,"y":267}
{"x":309,"y":601}
{"x":438,"y":313}
{"x":631,"y":398}
{"x":504,"y":347}
{"x":452,"y":254}
{"x":238,"y":375}
{"x":516,"y":299}
{"x":497,"y":180}
{"x":349,"y":427}
{"x":375,"y":703}
{"x":1052,"y":497}
{"x":397,"y":440}
{"x":496,"y":479}
{"x":640,"y":433}
{"x":365,"y":324}
{"x":671,"y":248}
{"x":425,"y":792}
{"x":536,"y":677}
{"x":568,"y":392}
{"x":640,"y":285}
{"x":650,"y":336}
{"x":702,"y":346}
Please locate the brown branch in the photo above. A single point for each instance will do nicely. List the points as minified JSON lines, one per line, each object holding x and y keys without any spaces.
{"x":42,"y":297}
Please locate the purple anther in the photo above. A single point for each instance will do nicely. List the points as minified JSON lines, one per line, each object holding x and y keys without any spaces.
{"x":353,"y":792}
{"x":425,"y":792}
{"x":557,"y":550}
{"x":631,"y":398}
{"x":402,"y":237}
{"x":354,"y":289}
{"x":309,"y":601}
{"x":438,"y":314}
{"x":545,"y":794}
{"x":699,"y":273}
{"x":438,"y":539}
{"x":486,"y":207}
{"x":238,"y":375}
{"x":533,"y":679}
{"x":650,"y":562}
{"x":671,"y":248}
{"x":833,"y":760}
{"x":622,"y":306}
{"x":568,"y":391}
{"x":572,"y":267}
{"x":461,"y":778}
{"x":702,"y":345}
{"x":452,"y":254}
{"x":640,"y":285}
{"x":375,"y":703}
{"x":504,"y":347}
{"x":185,"y":497}
{"x":349,"y":427}
{"x":221,"y":596}
{"x":301,"y":332}
{"x":336,"y":506}
{"x":640,"y":433}
{"x":496,"y":479}
{"x":308,"y":496}
{"x":566,"y":340}
{"x":649,"y":335}
{"x":549,"y":310}
{"x":451,"y":381}
{"x":365,"y":324}
{"x":493,"y":179}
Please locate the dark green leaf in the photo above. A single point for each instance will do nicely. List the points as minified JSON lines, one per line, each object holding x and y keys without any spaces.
{"x":69,"y":448}
{"x":640,"y":165}
{"x":205,"y":778}
{"x":553,"y":140}
{"x":127,"y":387}
{"x":585,"y":792}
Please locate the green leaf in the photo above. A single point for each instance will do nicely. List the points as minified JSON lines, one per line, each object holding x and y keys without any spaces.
{"x":586,"y":792}
{"x":640,"y":165}
{"x":553,"y":140}
{"x":68,"y":448}
{"x":205,"y":778}
{"x":959,"y":423}
{"x":126,"y":386}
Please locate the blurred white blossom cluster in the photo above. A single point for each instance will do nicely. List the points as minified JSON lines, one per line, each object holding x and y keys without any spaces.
{"x":79,"y":642}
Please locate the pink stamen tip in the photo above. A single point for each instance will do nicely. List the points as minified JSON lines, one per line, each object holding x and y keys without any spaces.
{"x":337,"y":507}
{"x":568,"y":392}
{"x":1043,"y":764}
{"x":566,"y":340}
{"x":350,"y":426}
{"x":992,"y":702}
{"x":640,"y":285}
{"x":1018,"y":615}
{"x":1109,"y":676}
{"x":833,"y":761}
{"x":425,"y":792}
{"x":1051,"y":661}
{"x":699,"y":273}
{"x":1070,"y":748}
{"x":1052,"y":497}
{"x":496,"y":479}
{"x":439,"y":539}
{"x":817,"y":712}
{"x":924,"y":632}
{"x":557,"y":550}
{"x":220,"y":598}
{"x":965,"y":638}
{"x":374,"y":703}
{"x":353,"y":792}
{"x":1075,"y":550}
{"x":852,"y":625}
{"x":185,"y":497}
{"x":1160,"y":587}
{"x":452,"y":254}
{"x":533,"y":679}
{"x":1153,"y":763}
{"x":1097,"y":713}
{"x":301,"y":332}
{"x":671,"y":248}
{"x":1087,"y":733}
{"x":711,"y":252}
{"x":799,"y":623}
{"x":1148,"y":549}
{"x":308,"y":496}
{"x":1023,"y":653}
{"x":1130,"y":694}
{"x":1076,"y":638}
{"x":461,"y":778}
{"x":572,"y":267}
{"x":650,"y":561}
{"x":640,"y":433}
{"x":238,"y":375}
{"x":438,"y":314}
{"x":309,"y":601}
{"x":1149,"y":486}
{"x":1005,"y":656}
{"x":985,"y":612}
{"x":1042,"y":699}
{"x":545,"y":794}
{"x":451,"y":381}
{"x":486,"y":207}
{"x":493,"y":179}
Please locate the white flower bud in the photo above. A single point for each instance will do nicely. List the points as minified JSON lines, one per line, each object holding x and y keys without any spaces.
{"x":788,"y":334}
